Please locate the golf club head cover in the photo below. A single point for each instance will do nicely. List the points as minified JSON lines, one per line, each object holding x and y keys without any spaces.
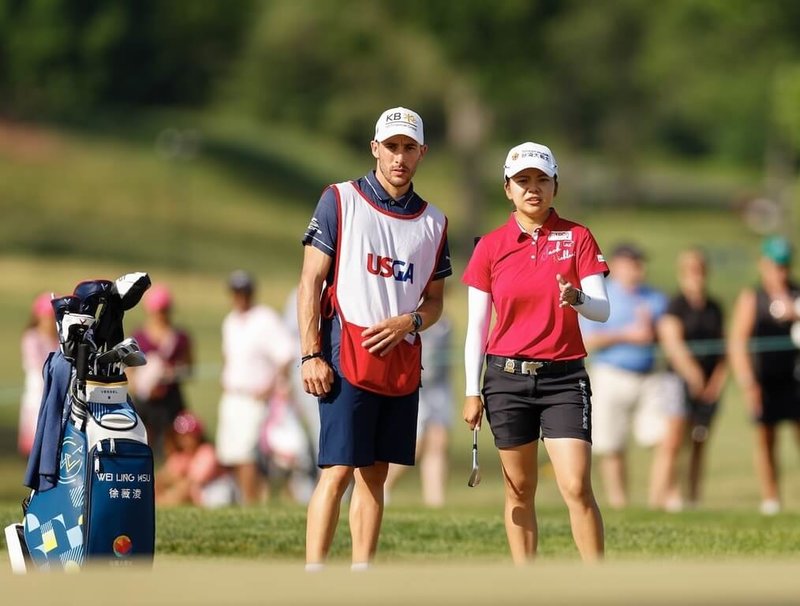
{"x":124,"y":293}
{"x":130,"y":288}
{"x":94,"y":296}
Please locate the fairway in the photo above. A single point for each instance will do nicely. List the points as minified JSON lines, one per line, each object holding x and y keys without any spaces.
{"x":179,"y":582}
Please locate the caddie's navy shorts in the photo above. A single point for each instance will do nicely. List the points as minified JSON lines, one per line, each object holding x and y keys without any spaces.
{"x":358,"y":428}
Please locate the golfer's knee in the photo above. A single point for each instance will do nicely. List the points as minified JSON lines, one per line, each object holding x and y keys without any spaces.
{"x":577,"y":492}
{"x":521,"y":489}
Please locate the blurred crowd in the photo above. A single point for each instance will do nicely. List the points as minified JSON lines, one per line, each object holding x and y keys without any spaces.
{"x":658,"y":369}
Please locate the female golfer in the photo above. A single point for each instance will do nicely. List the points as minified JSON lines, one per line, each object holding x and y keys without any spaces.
{"x":538,"y":271}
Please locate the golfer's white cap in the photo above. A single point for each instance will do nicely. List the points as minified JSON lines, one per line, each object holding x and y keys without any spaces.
{"x":399,"y":121}
{"x":530,"y":155}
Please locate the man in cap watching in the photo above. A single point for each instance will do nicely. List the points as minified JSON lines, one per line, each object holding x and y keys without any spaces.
{"x":625,"y":389}
{"x":769,"y":375}
{"x":257,"y":350}
{"x":381,"y":252}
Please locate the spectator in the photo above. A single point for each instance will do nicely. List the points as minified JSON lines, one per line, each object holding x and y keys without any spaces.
{"x":257,"y":350}
{"x":690,"y":333}
{"x":191,"y":474}
{"x":285,"y":449}
{"x":625,"y":387}
{"x":157,"y":386}
{"x":765,"y":361}
{"x":435,"y":415}
{"x":38,"y":340}
{"x":304,"y":403}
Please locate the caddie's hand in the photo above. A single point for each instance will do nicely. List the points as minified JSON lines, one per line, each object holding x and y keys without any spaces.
{"x":384,"y":336}
{"x":568,"y":294}
{"x":473,"y":411}
{"x":317,"y":376}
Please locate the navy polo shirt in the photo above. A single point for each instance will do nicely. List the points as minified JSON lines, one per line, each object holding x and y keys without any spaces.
{"x":322,"y":232}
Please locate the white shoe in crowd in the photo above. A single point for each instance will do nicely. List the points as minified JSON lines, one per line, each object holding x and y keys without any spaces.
{"x":770,"y":507}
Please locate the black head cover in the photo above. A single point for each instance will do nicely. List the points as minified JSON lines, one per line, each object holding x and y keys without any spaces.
{"x":130,"y":288}
{"x":94,"y":296}
{"x":125,"y":292}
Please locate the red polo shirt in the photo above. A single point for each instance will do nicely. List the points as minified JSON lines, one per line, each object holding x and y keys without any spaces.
{"x":519,"y":272}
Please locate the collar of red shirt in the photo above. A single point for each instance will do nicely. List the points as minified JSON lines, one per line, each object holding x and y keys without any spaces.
{"x":517,"y":234}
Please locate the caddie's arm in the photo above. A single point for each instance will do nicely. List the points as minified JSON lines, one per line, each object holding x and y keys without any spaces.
{"x":316,"y":373}
{"x":430,"y":309}
{"x":384,"y":336}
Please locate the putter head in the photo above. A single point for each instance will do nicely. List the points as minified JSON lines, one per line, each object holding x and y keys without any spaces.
{"x":475,"y":476}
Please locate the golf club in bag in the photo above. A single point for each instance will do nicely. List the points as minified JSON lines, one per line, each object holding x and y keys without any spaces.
{"x":91,"y":469}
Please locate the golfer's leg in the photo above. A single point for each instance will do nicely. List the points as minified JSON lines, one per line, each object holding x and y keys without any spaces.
{"x":366,"y":510}
{"x":696,"y":452}
{"x":250,"y":482}
{"x":323,"y":511}
{"x":613,"y":471}
{"x":766,"y":464}
{"x":433,"y":466}
{"x":520,"y":474}
{"x":572,"y":464}
{"x":663,"y":475}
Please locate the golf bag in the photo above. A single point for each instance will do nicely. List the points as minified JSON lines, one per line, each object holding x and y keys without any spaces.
{"x":92,"y":496}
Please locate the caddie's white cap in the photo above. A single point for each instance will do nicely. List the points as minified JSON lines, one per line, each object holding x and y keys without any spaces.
{"x":399,"y":121}
{"x":530,"y":155}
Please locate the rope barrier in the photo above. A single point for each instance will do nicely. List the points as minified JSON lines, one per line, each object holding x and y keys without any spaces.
{"x":10,"y":394}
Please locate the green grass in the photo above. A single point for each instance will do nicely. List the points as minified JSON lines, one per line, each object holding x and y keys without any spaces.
{"x":467,"y":534}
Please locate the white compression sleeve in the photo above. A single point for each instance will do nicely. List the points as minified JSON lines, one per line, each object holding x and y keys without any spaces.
{"x":595,"y":306}
{"x":478,"y":318}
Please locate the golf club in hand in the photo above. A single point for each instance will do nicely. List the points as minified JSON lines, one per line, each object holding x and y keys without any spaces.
{"x":475,"y":476}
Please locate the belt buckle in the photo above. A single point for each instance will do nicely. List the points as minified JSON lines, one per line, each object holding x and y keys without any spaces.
{"x":510,"y":366}
{"x":530,"y":368}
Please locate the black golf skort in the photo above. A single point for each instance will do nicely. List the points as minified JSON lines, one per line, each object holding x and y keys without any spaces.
{"x":555,"y":402}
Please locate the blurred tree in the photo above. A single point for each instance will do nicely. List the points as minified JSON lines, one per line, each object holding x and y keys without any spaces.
{"x":712,"y":64}
{"x":329,"y":65}
{"x":68,"y":59}
{"x":343,"y":71}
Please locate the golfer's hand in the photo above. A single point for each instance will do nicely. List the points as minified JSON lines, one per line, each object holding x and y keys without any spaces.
{"x":473,"y":411}
{"x":317,"y":377}
{"x":568,"y":294}
{"x":384,"y":336}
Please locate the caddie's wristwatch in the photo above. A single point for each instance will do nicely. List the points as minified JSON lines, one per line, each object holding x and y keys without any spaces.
{"x":579,"y":298}
{"x":417,"y":320}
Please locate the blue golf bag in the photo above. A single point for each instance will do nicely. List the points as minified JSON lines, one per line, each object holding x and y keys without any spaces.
{"x":91,"y":469}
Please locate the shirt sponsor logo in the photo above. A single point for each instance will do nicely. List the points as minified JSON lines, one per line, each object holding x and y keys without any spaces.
{"x":313,"y":227}
{"x":557,"y":236}
{"x":386,"y":267}
{"x":563,"y":250}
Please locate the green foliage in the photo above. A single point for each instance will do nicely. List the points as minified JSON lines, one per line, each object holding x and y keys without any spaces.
{"x":69,"y":59}
{"x":329,"y":65}
{"x":700,"y":78}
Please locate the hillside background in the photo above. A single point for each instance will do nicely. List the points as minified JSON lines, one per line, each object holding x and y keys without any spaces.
{"x":189,"y":138}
